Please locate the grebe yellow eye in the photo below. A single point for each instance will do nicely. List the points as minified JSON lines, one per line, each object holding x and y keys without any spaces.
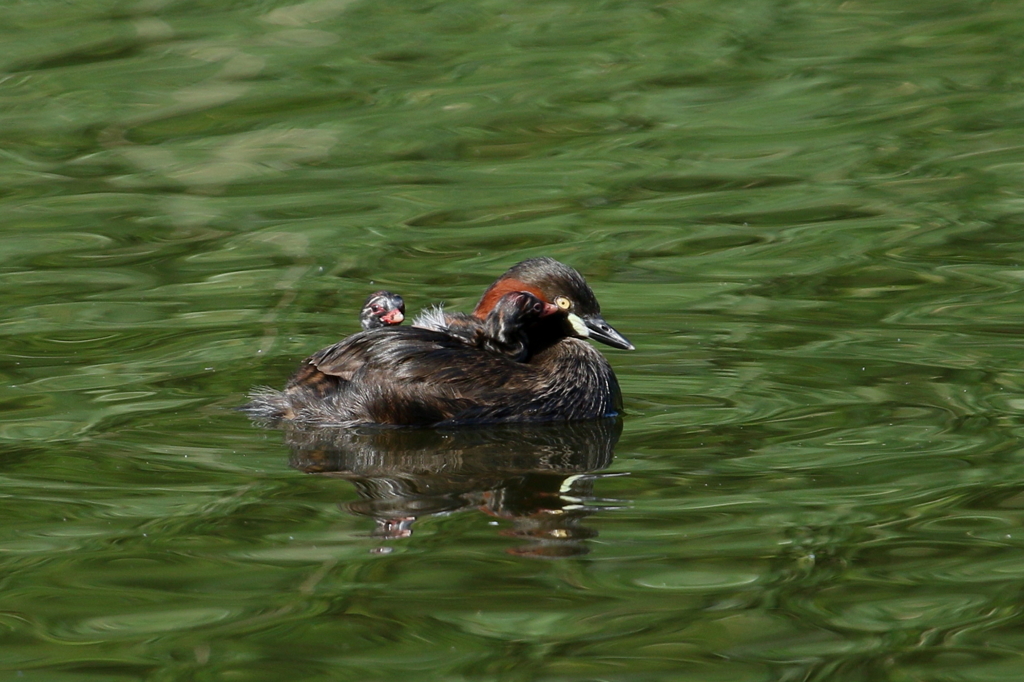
{"x":563,"y":303}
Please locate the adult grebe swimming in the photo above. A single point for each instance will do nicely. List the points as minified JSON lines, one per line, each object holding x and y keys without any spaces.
{"x":542,"y":370}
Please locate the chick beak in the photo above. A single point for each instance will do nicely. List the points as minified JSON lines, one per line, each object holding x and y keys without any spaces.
{"x":393,"y":317}
{"x":549,"y":309}
{"x":605,"y":333}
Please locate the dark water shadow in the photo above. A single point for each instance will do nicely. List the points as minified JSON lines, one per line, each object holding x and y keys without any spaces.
{"x":538,"y":477}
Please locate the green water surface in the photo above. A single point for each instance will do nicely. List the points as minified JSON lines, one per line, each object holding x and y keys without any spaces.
{"x":807,"y":216}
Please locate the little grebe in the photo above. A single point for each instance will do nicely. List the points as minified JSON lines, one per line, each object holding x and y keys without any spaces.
{"x":416,"y":376}
{"x":382,"y":309}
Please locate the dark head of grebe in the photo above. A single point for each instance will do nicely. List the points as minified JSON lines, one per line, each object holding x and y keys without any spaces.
{"x":554,"y":285}
{"x":536,"y":368}
{"x":382,"y":309}
{"x":559,"y":285}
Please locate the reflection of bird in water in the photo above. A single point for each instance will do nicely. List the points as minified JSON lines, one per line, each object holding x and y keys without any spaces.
{"x":417,"y":376}
{"x":537,"y":477}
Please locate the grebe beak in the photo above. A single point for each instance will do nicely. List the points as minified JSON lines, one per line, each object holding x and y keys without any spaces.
{"x":393,"y":317}
{"x":605,"y":333}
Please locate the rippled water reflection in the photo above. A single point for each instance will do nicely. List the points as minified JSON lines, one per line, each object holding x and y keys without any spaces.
{"x":807,"y":218}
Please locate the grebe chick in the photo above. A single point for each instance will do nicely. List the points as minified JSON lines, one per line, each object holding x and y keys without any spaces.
{"x":382,"y":309}
{"x":503,"y":331}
